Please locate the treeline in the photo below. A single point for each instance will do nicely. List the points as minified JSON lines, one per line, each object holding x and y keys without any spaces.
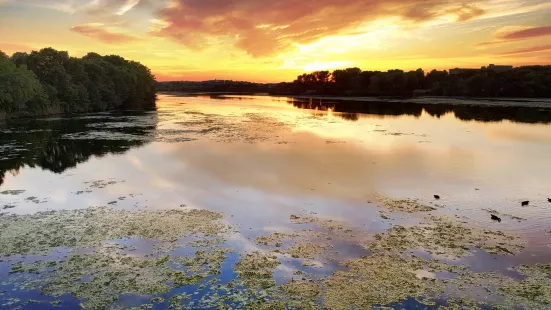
{"x":213,"y":86}
{"x":50,"y":81}
{"x":529,"y":81}
{"x":354,"y":110}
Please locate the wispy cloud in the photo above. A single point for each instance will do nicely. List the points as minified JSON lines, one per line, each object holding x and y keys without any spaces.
{"x":127,"y":6}
{"x":116,"y":7}
{"x":533,"y":49}
{"x":67,"y":6}
{"x":526,"y":33}
{"x":509,"y":34}
{"x":99,"y":32}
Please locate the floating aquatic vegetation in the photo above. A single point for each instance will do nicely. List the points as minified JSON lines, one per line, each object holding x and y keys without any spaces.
{"x":41,"y":232}
{"x":100,"y":183}
{"x":404,"y":205}
{"x":276,"y":238}
{"x":327,"y":224}
{"x":108,"y":271}
{"x":13,"y":192}
{"x":392,"y":274}
{"x":98,"y":277}
{"x":256,"y":269}
{"x":302,"y":289}
{"x":533,"y":292}
{"x":305,"y":250}
{"x":379,"y":279}
{"x":205,"y":260}
{"x":384,"y":215}
{"x":111,"y":274}
{"x":441,"y":236}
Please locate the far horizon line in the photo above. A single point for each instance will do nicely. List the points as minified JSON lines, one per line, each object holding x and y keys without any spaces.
{"x":332,"y":70}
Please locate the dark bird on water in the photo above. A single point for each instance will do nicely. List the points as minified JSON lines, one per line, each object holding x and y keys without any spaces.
{"x":436,"y":197}
{"x":549,"y":199}
{"x":525,"y":203}
{"x":495,"y":218}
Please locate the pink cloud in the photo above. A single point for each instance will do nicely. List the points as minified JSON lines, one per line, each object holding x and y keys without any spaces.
{"x":532,"y":49}
{"x":526,"y":33}
{"x":266,"y":27}
{"x":102,"y":34}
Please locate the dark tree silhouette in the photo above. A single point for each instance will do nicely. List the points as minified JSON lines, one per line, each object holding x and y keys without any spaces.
{"x":50,"y":81}
{"x":530,"y":81}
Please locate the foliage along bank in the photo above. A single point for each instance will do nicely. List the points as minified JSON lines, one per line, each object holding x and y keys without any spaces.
{"x":526,"y":82}
{"x":51,"y":82}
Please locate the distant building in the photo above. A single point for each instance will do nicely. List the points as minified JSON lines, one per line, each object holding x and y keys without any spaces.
{"x":498,"y":68}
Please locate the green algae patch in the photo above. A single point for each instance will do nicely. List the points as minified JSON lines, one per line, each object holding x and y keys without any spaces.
{"x":97,"y":271}
{"x":256,"y":269}
{"x":205,"y":261}
{"x":403,"y":205}
{"x":13,"y":192}
{"x":302,"y":289}
{"x":384,"y":215}
{"x":101,"y":183}
{"x":301,"y":219}
{"x":41,"y":232}
{"x":305,"y":250}
{"x":533,"y":292}
{"x":379,"y":279}
{"x":110,"y":274}
{"x":443,"y":237}
{"x":463,"y":304}
{"x":323,"y":223}
{"x":275,"y":238}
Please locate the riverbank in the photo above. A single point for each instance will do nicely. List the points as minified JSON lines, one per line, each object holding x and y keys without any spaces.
{"x":216,"y":202}
{"x":538,"y":103}
{"x":4,"y":116}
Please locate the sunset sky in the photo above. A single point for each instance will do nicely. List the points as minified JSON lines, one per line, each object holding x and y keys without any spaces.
{"x":271,"y":41}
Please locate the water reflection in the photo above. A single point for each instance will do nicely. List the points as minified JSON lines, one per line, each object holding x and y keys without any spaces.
{"x":353,"y":110}
{"x":59,"y":144}
{"x":259,"y":160}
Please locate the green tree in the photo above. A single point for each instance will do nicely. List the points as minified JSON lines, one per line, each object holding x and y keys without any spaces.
{"x":18,"y":86}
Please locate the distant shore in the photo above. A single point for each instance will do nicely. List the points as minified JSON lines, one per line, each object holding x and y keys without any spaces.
{"x":544,"y":103}
{"x":537,"y":103}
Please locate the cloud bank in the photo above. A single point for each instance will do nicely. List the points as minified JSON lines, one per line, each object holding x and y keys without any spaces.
{"x":263,"y":28}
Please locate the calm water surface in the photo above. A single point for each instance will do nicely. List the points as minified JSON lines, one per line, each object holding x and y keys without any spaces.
{"x":259,"y":159}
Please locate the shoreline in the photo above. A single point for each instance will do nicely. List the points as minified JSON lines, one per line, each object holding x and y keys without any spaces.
{"x":538,"y":103}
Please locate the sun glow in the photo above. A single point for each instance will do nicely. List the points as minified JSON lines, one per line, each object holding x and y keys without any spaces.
{"x":318,"y":66}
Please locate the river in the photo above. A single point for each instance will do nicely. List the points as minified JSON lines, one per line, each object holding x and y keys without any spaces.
{"x":328,"y":176}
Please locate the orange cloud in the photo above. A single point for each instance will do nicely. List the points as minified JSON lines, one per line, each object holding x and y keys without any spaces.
{"x":466,"y":12}
{"x":97,"y":32}
{"x":526,"y":33}
{"x":529,"y":50}
{"x":515,"y":35}
{"x":263,"y":28}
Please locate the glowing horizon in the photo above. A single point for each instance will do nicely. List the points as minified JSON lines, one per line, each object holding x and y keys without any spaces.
{"x":273,"y":41}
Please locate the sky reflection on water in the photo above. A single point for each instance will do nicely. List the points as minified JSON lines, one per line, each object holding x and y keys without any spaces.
{"x":260,"y":159}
